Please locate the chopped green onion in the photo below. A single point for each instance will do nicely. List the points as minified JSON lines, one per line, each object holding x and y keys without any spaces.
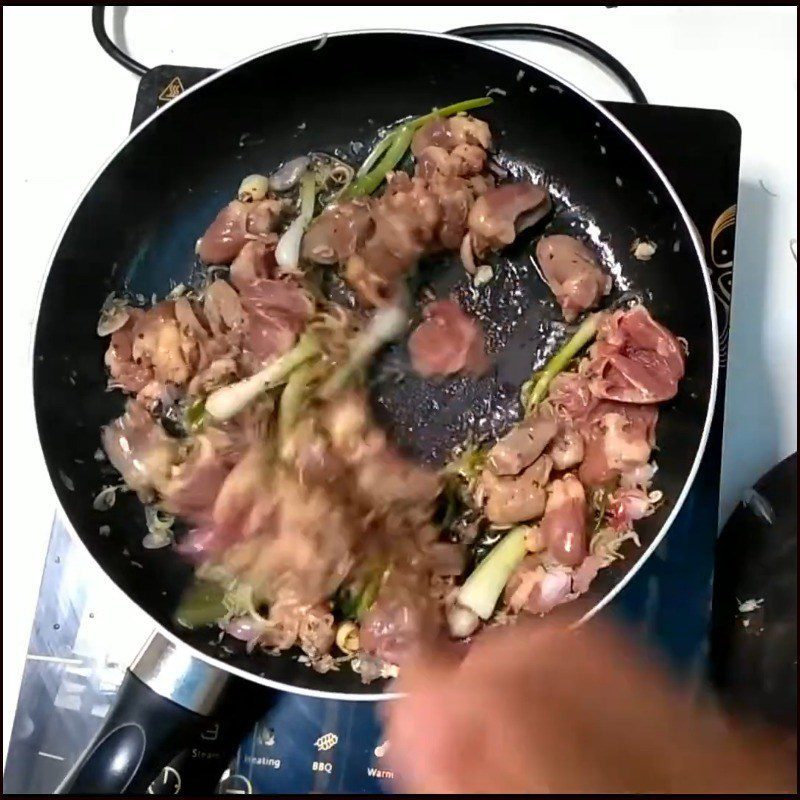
{"x":346,"y":601}
{"x":369,"y":595}
{"x":452,"y":110}
{"x":393,"y":147}
{"x":370,"y":181}
{"x":239,"y":601}
{"x":293,"y":397}
{"x":287,"y":253}
{"x":468,"y":464}
{"x":195,"y":415}
{"x":376,"y":153}
{"x":483,"y":588}
{"x":601,"y":511}
{"x":535,"y":390}
{"x":202,"y":604}
{"x":308,"y":190}
{"x":228,"y":401}
{"x":452,"y":502}
{"x":387,"y":324}
{"x":356,"y":599}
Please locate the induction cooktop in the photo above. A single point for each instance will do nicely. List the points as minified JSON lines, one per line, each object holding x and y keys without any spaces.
{"x":309,"y":745}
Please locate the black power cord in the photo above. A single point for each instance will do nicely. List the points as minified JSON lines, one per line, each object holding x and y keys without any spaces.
{"x":520,"y":30}
{"x":545,"y":33}
{"x":99,"y":28}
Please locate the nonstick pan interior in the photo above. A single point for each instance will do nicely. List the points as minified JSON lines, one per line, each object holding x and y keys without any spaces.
{"x":138,"y":224}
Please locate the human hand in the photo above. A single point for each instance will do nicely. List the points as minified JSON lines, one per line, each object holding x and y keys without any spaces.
{"x":534,"y":709}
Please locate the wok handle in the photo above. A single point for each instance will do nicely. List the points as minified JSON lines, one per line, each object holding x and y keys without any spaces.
{"x":165,"y":699}
{"x":528,"y":31}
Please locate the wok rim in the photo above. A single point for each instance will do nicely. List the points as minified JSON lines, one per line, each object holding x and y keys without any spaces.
{"x":321,"y":39}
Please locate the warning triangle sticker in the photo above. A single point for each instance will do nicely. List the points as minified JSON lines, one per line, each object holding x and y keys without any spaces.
{"x":171,"y":90}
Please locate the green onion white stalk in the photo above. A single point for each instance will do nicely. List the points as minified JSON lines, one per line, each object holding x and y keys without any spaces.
{"x":387,"y":324}
{"x":228,"y":401}
{"x":287,"y":253}
{"x":481,"y":590}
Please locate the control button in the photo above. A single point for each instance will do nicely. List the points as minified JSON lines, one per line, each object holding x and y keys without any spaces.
{"x":265,"y":735}
{"x":326,"y":742}
{"x":375,"y":770}
{"x":234,"y":784}
{"x":210,"y":734}
{"x":382,"y":749}
{"x":167,"y":782}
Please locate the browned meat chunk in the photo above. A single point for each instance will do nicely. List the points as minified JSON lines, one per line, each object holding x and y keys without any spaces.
{"x":635,"y":360}
{"x":338,"y":232}
{"x":563,"y":526}
{"x":227,"y":234}
{"x":523,"y":444}
{"x":572,"y":273}
{"x":277,"y":311}
{"x":567,"y":449}
{"x":516,"y":498}
{"x":140,"y":450}
{"x":618,"y":437}
{"x":447,"y":341}
{"x":500,"y":214}
{"x":379,"y":240}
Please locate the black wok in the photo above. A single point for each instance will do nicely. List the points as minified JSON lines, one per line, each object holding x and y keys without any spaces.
{"x":138,"y":222}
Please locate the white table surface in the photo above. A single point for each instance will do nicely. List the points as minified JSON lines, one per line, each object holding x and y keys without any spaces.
{"x":67,"y":107}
